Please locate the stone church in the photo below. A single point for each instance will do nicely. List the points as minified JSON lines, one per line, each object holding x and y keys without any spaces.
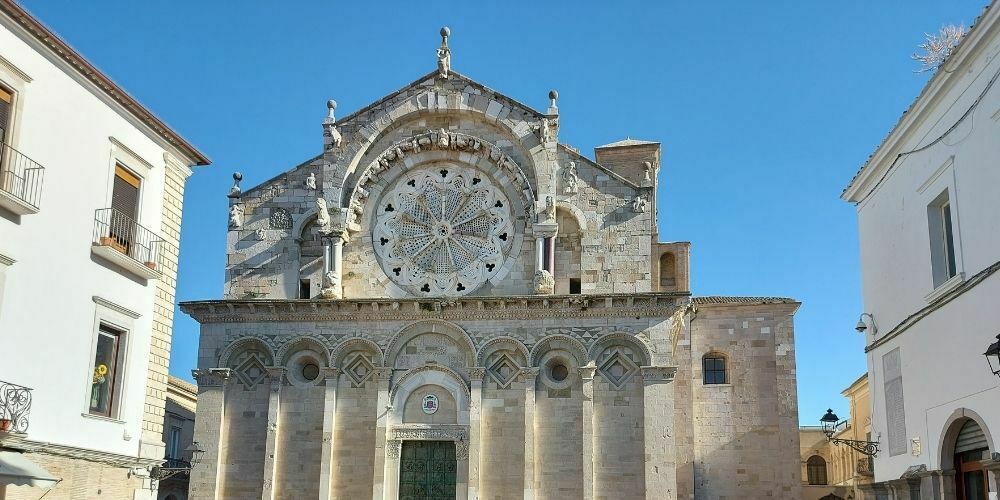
{"x":448,"y":302}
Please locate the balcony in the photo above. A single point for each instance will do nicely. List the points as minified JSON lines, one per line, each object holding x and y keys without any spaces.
{"x":122,"y":241}
{"x":15,"y":405}
{"x":20,"y":181}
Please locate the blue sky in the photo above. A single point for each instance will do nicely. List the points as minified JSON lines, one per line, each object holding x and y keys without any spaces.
{"x":765,"y":111}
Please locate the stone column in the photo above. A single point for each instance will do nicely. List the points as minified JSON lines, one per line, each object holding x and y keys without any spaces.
{"x":381,"y":377}
{"x":529,"y":375}
{"x":587,"y":374}
{"x":658,"y":431}
{"x":550,"y":246}
{"x":333,"y":249}
{"x":277,"y":375}
{"x":539,"y":252}
{"x":330,"y":377}
{"x":210,"y":432}
{"x":475,"y":430}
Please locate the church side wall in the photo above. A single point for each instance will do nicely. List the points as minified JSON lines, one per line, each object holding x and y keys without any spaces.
{"x":743,"y":427}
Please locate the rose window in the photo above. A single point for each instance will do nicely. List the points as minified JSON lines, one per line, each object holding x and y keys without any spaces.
{"x":442,"y":230}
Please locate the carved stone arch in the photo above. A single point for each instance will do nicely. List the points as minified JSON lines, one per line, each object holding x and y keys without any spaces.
{"x":303,"y":342}
{"x":352,"y":345}
{"x":382,"y":126}
{"x":621,"y":338}
{"x":498,"y":343}
{"x":581,"y":218}
{"x":559,"y":341}
{"x":243,"y":344}
{"x":460,"y":147}
{"x":949,"y":435}
{"x":414,"y":329}
{"x":431,"y":374}
{"x":301,"y":222}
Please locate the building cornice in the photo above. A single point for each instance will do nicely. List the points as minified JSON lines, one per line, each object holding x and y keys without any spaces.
{"x":60,"y":48}
{"x":527,"y":307}
{"x":115,"y":307}
{"x":103,"y":457}
{"x":5,"y":63}
{"x":6,"y":261}
{"x":944,"y":79}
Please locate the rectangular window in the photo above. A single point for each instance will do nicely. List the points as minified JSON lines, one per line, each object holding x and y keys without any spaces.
{"x":574,"y":285}
{"x":714,"y":370}
{"x":942,"y":239}
{"x":174,"y":443}
{"x":125,"y":193}
{"x":304,"y":289}
{"x":6,"y":103}
{"x":104,"y":375}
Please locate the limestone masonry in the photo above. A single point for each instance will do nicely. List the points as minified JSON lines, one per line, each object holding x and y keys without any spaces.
{"x":450,"y":303}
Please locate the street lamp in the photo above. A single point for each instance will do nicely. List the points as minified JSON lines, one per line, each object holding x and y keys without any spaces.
{"x":993,"y":354}
{"x":862,"y":326}
{"x":158,"y":473}
{"x":831,"y":422}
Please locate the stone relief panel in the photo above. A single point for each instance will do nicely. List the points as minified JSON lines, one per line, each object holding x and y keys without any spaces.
{"x":433,"y":347}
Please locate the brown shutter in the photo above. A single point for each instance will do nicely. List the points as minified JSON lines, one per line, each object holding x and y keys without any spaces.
{"x":125,"y":193}
{"x":6,"y":99}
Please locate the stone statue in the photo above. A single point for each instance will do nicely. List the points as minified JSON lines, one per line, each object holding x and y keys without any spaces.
{"x":235,"y":191}
{"x":330,"y":124}
{"x":647,"y":179}
{"x":546,"y":131}
{"x":570,"y":178}
{"x":550,"y":209}
{"x":444,"y":54}
{"x":639,"y":204}
{"x":311,"y":181}
{"x":322,"y":214}
{"x":331,"y":285}
{"x":545,"y":284}
{"x":235,"y":216}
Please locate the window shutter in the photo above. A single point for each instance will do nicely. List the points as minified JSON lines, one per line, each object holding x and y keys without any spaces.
{"x":125,"y":193}
{"x":5,"y":102}
{"x":970,"y":438}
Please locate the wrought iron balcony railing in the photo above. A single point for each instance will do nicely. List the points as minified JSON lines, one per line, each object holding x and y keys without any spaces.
{"x":15,"y":405}
{"x":122,"y":240}
{"x":866,"y":467}
{"x":20,"y":181}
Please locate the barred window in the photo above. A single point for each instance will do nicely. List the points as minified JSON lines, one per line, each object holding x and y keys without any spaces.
{"x":816,"y":470}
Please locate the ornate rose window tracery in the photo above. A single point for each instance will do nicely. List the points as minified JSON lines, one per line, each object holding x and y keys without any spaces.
{"x":443,"y":230}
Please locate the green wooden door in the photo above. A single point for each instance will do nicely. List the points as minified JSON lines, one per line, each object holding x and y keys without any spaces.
{"x":427,"y":470}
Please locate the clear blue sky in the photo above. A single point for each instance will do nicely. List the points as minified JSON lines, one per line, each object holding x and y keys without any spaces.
{"x":765,"y":111}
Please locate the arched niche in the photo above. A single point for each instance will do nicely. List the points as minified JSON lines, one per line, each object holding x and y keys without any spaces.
{"x":430,"y":375}
{"x":309,"y":239}
{"x":236,"y":349}
{"x":445,"y":410}
{"x":348,"y":347}
{"x":506,"y":344}
{"x":431,"y":330}
{"x":558,"y":341}
{"x":568,"y":252}
{"x":668,"y":272}
{"x":614,"y":339}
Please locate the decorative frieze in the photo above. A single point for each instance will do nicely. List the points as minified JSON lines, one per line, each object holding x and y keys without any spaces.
{"x":658,"y":373}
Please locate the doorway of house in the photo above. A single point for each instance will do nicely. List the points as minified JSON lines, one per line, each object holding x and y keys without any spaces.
{"x":971,"y":448}
{"x":427,"y":470}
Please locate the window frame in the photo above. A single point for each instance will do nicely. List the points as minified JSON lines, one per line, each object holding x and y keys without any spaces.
{"x":114,"y":372}
{"x":124,"y":157}
{"x":819,"y":467}
{"x":937,"y":191}
{"x":714,"y":356}
{"x":111,"y":315}
{"x":15,"y":82}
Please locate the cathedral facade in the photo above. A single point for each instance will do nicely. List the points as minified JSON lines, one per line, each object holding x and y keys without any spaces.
{"x":448,"y":302}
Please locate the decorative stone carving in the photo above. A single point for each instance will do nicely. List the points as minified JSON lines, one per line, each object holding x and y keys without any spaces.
{"x":545,"y":283}
{"x":235,"y":191}
{"x":311,"y":181}
{"x":330,"y":131}
{"x":322,"y":215}
{"x":443,"y":230}
{"x":570,"y":178}
{"x":280,"y":219}
{"x":260,"y":234}
{"x":331,"y":285}
{"x":658,"y":373}
{"x":647,"y":176}
{"x":425,"y":432}
{"x":461,"y":450}
{"x":444,"y":54}
{"x":476,"y":373}
{"x":549,"y":213}
{"x":639,"y":204}
{"x":553,"y":96}
{"x":212,"y":377}
{"x":393,"y":448}
{"x":545,"y":130}
{"x":235,"y":216}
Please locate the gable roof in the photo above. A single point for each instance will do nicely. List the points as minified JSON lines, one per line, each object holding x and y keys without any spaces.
{"x":60,"y":48}
{"x":628,"y":141}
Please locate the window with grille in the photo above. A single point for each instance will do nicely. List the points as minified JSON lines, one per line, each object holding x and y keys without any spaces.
{"x":714,"y":369}
{"x":816,"y":470}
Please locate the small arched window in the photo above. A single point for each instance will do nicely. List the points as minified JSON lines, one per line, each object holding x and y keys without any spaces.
{"x":668,"y":272}
{"x":713,"y":369}
{"x":816,"y":470}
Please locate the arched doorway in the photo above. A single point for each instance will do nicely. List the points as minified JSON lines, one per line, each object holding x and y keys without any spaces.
{"x":968,"y":448}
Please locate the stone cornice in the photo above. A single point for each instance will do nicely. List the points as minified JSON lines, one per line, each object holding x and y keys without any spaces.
{"x":528,"y":307}
{"x":89,"y":455}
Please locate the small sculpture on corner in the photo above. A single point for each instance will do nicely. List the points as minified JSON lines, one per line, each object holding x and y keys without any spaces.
{"x":545,"y":283}
{"x":235,"y":216}
{"x":444,"y":54}
{"x":311,"y":181}
{"x":639,"y":204}
{"x":570,"y":178}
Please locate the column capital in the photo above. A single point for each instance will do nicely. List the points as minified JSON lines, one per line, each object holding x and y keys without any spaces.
{"x":211,"y":377}
{"x":330,"y":373}
{"x":545,"y":229}
{"x":587,"y":372}
{"x":476,"y":372}
{"x":529,"y":372}
{"x":658,"y":374}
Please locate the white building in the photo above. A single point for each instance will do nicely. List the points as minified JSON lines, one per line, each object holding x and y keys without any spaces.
{"x":928,"y":203}
{"x":91,"y":190}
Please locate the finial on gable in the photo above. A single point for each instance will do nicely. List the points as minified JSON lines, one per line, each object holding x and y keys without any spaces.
{"x":331,"y":136}
{"x":444,"y":54}
{"x":235,"y":191}
{"x":553,"y":96}
{"x":331,"y":106}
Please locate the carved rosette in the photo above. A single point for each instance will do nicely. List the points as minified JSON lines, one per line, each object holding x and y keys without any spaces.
{"x":443,"y":230}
